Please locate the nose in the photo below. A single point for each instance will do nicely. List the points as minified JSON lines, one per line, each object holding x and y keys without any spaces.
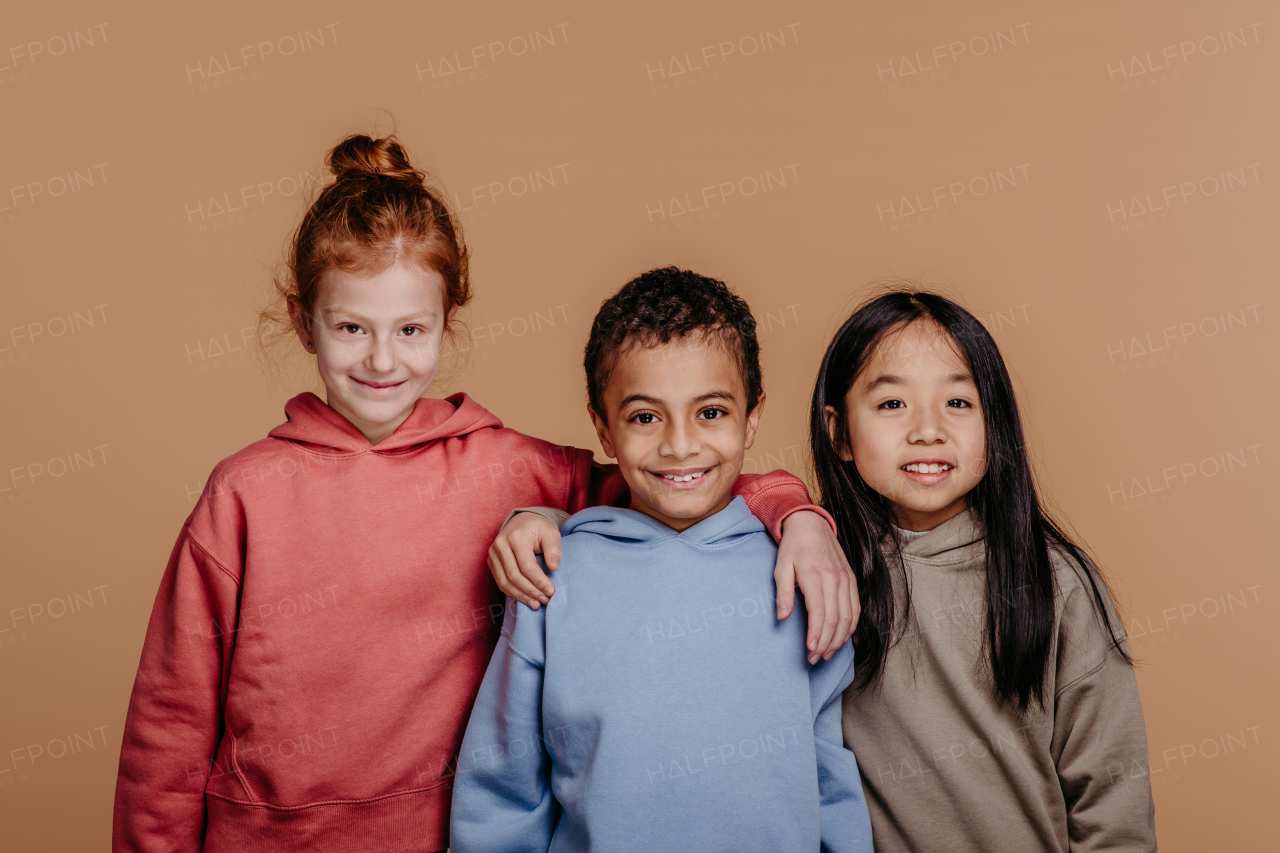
{"x":679,"y":441}
{"x":927,"y":427}
{"x":382,"y":357}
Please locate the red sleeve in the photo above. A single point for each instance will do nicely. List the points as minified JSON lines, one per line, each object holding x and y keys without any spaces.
{"x":774,"y":496}
{"x":594,"y":484}
{"x":175,"y":714}
{"x":770,"y":497}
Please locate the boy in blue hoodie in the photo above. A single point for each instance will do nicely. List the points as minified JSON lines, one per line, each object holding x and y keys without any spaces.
{"x":656,"y":703}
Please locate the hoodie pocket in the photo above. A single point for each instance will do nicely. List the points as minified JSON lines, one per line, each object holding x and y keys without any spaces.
{"x":232,"y":781}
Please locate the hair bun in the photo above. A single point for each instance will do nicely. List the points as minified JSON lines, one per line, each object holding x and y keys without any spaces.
{"x":362,"y":156}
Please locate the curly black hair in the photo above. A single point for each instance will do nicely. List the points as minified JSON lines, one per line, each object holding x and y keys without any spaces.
{"x":662,"y":304}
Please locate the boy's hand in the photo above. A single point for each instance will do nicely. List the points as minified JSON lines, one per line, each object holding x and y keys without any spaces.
{"x":809,"y":556}
{"x":512,"y":558}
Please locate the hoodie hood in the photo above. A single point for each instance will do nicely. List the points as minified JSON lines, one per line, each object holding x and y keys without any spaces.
{"x":946,"y":541}
{"x":721,"y":530}
{"x":311,"y":421}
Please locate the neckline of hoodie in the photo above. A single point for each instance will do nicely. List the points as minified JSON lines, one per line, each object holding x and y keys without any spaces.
{"x":301,"y":447}
{"x":673,"y":536}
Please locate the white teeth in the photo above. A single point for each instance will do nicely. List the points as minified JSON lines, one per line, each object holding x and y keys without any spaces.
{"x":929,"y":468}
{"x":686,"y":478}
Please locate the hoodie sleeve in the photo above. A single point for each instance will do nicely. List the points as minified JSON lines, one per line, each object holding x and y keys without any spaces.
{"x":1099,"y":738}
{"x":846,"y":822}
{"x":175,"y":713}
{"x":770,"y":497}
{"x":502,"y":789}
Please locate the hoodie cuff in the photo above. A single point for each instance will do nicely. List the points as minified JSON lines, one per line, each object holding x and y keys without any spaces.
{"x":556,"y":516}
{"x":773,"y":503}
{"x":809,"y":508}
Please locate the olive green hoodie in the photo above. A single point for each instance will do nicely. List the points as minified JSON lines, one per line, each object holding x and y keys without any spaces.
{"x":947,"y":768}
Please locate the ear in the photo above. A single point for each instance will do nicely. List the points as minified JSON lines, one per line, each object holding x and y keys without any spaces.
{"x":602,"y":433}
{"x":301,"y":324}
{"x":753,"y":422}
{"x":840,"y":442}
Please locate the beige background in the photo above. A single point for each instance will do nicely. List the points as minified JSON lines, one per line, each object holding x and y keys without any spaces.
{"x":1099,"y":186}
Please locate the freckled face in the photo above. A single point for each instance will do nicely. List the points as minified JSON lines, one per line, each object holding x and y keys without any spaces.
{"x":915,"y":425}
{"x":678,"y":426}
{"x":377,"y":343}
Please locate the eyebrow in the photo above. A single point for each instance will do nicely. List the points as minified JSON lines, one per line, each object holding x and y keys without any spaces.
{"x":892,"y":379}
{"x":716,"y":394}
{"x":638,"y":398}
{"x":426,"y":313}
{"x":885,"y":379}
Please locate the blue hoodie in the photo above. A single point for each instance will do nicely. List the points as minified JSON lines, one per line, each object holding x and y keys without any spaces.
{"x":657,"y":703}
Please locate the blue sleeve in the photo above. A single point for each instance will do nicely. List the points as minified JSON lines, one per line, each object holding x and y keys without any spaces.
{"x":846,"y":824}
{"x":502,"y":789}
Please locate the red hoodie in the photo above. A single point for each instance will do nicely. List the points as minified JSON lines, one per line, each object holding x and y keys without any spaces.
{"x":324,"y":623}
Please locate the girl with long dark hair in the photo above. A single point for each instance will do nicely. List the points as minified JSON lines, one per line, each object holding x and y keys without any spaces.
{"x":995,"y":706}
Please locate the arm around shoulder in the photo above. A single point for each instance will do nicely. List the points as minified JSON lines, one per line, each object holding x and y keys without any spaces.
{"x":774,"y":496}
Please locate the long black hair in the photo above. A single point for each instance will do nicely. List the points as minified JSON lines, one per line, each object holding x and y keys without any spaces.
{"x":1019,"y":576}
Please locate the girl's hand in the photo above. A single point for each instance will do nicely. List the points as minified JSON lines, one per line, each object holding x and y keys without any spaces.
{"x":809,"y":556}
{"x":512,"y":558}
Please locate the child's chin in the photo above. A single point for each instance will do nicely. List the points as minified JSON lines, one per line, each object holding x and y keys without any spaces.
{"x":686,"y":508}
{"x":935,"y":505}
{"x":379,"y":411}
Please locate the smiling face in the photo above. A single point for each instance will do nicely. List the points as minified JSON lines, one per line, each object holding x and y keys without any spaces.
{"x":377,"y":343}
{"x":915,"y":428}
{"x":677,"y":424}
